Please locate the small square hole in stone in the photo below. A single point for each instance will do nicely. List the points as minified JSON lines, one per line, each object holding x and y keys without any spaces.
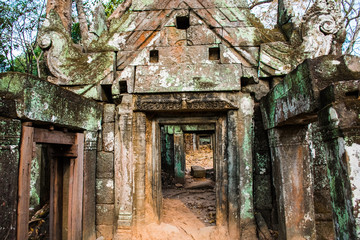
{"x":123,"y":87}
{"x":106,"y":93}
{"x":154,"y":56}
{"x":214,"y":53}
{"x":182,"y":22}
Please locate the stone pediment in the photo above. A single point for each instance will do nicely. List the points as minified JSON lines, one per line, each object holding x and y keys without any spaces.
{"x":183,"y":63}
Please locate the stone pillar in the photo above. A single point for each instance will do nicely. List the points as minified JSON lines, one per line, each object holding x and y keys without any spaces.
{"x":124,"y":168}
{"x":322,"y":199}
{"x":139,"y":141}
{"x":105,"y":193}
{"x":293,"y":178}
{"x":341,"y":132}
{"x":233,"y":183}
{"x":179,"y":156}
{"x":245,"y":171}
{"x":10,"y":131}
{"x":240,"y":180}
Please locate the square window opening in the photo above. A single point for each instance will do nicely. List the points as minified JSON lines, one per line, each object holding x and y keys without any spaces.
{"x":106,"y":93}
{"x":123,"y":87}
{"x":214,"y":53}
{"x":154,"y":56}
{"x":182,"y":22}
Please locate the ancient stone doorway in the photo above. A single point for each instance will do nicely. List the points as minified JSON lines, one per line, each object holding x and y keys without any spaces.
{"x":53,"y":160}
{"x":187,"y":169}
{"x":171,"y":159}
{"x":138,"y":185}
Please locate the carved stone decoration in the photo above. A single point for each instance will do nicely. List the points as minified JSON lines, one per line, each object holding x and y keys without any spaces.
{"x":320,"y":33}
{"x":184,"y":102}
{"x":66,"y":61}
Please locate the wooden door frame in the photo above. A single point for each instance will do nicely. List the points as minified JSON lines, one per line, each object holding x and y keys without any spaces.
{"x":75,"y":151}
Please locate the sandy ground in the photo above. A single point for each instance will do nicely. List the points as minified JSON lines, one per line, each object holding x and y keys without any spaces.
{"x":189,"y":210}
{"x":180,"y":223}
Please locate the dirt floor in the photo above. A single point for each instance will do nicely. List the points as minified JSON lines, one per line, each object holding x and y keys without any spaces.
{"x":180,"y":223}
{"x":198,"y":197}
{"x":189,"y":210}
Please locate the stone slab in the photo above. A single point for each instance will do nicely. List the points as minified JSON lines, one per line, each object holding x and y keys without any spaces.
{"x":104,"y":231}
{"x":89,"y":194}
{"x":108,"y":137}
{"x":188,"y":78}
{"x":296,"y":99}
{"x":105,"y":165}
{"x":104,"y":191}
{"x":198,"y":172}
{"x":39,"y":100}
{"x":109,"y":113}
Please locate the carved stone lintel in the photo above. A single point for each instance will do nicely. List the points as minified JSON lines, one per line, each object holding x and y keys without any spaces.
{"x":177,"y":102}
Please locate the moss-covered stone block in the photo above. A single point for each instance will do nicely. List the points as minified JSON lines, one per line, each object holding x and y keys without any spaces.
{"x":37,"y":100}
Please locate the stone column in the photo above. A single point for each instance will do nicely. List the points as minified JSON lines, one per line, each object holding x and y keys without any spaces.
{"x":124,"y":168}
{"x":292,"y":176}
{"x":233,"y":182}
{"x":245,"y":171}
{"x":340,"y":121}
{"x":240,"y":180}
{"x":139,"y":151}
{"x":179,"y":156}
{"x":10,"y":131}
{"x":322,"y":199}
{"x":105,"y":202}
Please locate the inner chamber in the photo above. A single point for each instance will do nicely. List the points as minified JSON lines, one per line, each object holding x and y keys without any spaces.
{"x":188,"y":169}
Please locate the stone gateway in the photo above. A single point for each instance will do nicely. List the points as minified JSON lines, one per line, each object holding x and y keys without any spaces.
{"x":91,"y":152}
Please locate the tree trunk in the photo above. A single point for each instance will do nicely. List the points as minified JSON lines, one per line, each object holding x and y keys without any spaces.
{"x":63,"y":8}
{"x":84,"y":31}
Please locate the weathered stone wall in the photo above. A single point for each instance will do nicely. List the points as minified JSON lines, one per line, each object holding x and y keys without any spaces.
{"x":10,"y":131}
{"x":321,"y":89}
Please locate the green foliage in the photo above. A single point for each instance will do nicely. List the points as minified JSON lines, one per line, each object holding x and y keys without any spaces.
{"x":19,"y":61}
{"x":19,"y":22}
{"x":75,"y":32}
{"x":111,"y":6}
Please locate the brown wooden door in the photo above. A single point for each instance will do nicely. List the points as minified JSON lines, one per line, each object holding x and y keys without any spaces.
{"x":66,"y":181}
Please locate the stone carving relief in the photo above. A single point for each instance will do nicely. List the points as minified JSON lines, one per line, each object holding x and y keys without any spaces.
{"x":180,"y":102}
{"x":321,"y":32}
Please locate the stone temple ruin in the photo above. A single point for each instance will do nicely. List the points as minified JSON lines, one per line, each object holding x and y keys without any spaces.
{"x":281,"y":108}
